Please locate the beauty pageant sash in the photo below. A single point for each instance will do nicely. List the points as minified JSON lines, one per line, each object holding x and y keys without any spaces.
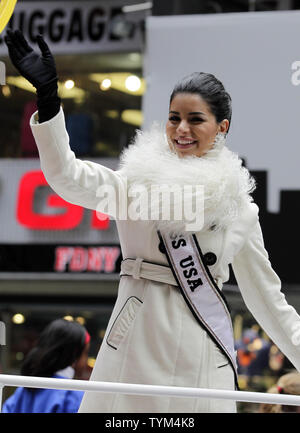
{"x":201,"y":293}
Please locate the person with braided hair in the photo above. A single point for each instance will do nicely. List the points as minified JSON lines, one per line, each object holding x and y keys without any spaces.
{"x":171,"y":324}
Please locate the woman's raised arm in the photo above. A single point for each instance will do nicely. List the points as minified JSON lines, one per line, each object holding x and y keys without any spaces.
{"x":76,"y":181}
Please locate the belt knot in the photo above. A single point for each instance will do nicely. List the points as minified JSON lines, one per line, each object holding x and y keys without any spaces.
{"x":136,"y":271}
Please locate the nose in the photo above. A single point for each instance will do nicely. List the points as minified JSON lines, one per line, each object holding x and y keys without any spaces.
{"x":183,"y":127}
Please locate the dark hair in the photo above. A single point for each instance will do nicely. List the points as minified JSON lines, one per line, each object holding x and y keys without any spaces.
{"x":210,"y":89}
{"x":59,"y":345}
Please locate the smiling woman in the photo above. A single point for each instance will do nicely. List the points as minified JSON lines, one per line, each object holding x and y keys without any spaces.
{"x":200,"y":111}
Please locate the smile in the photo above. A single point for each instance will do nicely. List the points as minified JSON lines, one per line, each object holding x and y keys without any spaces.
{"x":185,"y":144}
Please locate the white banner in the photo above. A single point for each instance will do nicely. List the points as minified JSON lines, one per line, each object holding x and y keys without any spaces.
{"x":79,"y":26}
{"x":257,"y":57}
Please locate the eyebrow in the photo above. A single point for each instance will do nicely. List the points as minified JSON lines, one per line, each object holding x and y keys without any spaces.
{"x":193,"y":112}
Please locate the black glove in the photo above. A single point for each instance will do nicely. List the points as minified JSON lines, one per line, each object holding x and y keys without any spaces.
{"x":39,"y":70}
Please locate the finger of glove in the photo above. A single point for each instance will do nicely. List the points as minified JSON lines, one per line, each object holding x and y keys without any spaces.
{"x":13,"y":52}
{"x":19,"y":51}
{"x":43,"y":46}
{"x":22,"y":42}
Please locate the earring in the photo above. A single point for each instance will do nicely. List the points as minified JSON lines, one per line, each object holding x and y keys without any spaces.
{"x":220,"y":140}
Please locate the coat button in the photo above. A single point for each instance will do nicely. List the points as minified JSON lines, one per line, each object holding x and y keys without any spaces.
{"x":161,"y":248}
{"x":210,"y":259}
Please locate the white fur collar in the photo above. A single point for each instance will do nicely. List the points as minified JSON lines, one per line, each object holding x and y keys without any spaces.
{"x":227,"y":185}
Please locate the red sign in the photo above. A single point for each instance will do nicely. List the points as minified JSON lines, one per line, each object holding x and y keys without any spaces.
{"x":91,"y":259}
{"x":69,"y":219}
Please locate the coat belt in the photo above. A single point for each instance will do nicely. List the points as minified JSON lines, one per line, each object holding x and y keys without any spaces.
{"x":139,"y":268}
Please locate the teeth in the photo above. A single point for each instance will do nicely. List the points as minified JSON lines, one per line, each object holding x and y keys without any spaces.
{"x":184,"y":142}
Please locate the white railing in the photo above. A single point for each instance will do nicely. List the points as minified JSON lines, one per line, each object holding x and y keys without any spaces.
{"x":136,"y":389}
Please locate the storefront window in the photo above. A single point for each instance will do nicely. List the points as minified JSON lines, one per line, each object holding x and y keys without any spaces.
{"x":101,"y":96}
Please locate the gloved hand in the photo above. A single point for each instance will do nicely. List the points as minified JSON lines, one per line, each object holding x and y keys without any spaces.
{"x":39,"y":70}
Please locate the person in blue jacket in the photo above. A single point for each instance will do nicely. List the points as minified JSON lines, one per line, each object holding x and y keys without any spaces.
{"x":61,"y":352}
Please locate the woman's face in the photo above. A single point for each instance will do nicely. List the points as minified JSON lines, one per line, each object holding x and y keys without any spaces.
{"x":192,"y":128}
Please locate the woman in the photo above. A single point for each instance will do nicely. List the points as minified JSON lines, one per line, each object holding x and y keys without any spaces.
{"x":61,"y":352}
{"x":164,"y":330}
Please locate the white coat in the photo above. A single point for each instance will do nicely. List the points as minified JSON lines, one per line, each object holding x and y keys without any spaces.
{"x":152,"y":337}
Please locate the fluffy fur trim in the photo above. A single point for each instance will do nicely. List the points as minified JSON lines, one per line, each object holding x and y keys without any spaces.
{"x":227,"y":184}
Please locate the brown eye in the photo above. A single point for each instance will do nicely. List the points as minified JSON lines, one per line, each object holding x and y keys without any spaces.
{"x":174,"y":119}
{"x":196,"y":119}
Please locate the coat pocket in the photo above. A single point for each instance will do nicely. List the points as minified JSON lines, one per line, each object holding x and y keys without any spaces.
{"x":123,"y":321}
{"x":221,"y":359}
